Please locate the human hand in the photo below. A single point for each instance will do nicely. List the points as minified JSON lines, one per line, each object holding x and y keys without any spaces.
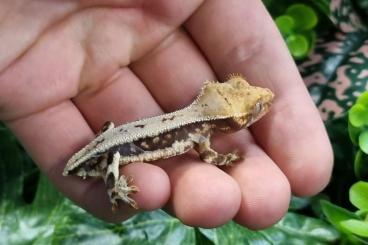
{"x":67,"y":67}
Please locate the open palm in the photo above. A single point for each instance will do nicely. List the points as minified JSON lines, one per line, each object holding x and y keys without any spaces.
{"x":66,"y":67}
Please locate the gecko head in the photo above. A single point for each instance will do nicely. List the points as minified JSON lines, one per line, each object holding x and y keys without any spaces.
{"x":259,"y":105}
{"x":236,"y":100}
{"x":251,"y":105}
{"x":91,"y":159}
{"x":86,"y":162}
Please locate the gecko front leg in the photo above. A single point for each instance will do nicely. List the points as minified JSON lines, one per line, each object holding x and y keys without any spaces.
{"x":209,"y":155}
{"x":118,"y":187}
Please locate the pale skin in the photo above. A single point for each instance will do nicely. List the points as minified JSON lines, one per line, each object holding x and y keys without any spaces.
{"x":66,"y":67}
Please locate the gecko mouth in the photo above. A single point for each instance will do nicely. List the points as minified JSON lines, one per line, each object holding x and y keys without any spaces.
{"x":84,"y":167}
{"x":259,"y":111}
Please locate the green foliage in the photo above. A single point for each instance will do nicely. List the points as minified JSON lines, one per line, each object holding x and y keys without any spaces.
{"x":297,"y":23}
{"x":50,"y":218}
{"x":353,"y":226}
{"x":356,"y":227}
{"x":285,"y":23}
{"x":359,"y":195}
{"x":360,"y":165}
{"x":296,"y":26}
{"x":278,"y":7}
{"x":336,"y":73}
{"x":298,"y":45}
{"x":358,"y":131}
{"x":292,"y":229}
{"x":358,"y":115}
{"x":305,"y":18}
{"x":336,"y":215}
{"x":363,"y":141}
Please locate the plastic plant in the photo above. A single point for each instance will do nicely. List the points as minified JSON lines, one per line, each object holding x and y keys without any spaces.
{"x":354,"y":225}
{"x":358,"y":131}
{"x":297,"y":27}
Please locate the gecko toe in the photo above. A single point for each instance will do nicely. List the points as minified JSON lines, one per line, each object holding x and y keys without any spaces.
{"x":122,"y":191}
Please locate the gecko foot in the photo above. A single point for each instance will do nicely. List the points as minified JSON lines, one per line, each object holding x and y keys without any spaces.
{"x":230,"y":158}
{"x":121,"y":191}
{"x":213,"y":157}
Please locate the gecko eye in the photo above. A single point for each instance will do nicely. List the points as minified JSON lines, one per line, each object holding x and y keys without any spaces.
{"x":258,"y":108}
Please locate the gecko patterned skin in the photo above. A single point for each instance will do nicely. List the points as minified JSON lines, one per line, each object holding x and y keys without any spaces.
{"x":224,"y":107}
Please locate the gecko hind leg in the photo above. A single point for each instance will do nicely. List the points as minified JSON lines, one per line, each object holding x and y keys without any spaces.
{"x":209,"y":155}
{"x":118,"y":186}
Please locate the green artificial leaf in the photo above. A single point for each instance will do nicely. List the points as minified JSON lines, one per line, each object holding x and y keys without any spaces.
{"x":363,"y":99}
{"x":336,"y":215}
{"x":357,"y":227}
{"x":201,"y":239}
{"x":358,"y":195}
{"x":363,"y":141}
{"x":305,"y":17}
{"x":363,"y":214}
{"x":155,"y":227}
{"x":296,"y":23}
{"x":354,"y":133}
{"x":292,"y":229}
{"x":285,"y":24}
{"x":361,"y":165}
{"x":298,"y":45}
{"x":358,"y":115}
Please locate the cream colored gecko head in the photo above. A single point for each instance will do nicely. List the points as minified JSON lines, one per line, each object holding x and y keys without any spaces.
{"x":235,"y":99}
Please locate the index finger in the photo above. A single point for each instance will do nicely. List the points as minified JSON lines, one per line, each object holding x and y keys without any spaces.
{"x":246,"y":40}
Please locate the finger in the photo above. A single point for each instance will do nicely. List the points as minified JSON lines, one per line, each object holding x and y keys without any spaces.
{"x":178,"y":66}
{"x":246,"y":40}
{"x":52,"y":135}
{"x":202,"y":194}
{"x":259,"y":179}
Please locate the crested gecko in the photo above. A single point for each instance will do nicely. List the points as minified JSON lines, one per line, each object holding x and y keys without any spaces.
{"x":225,"y":107}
